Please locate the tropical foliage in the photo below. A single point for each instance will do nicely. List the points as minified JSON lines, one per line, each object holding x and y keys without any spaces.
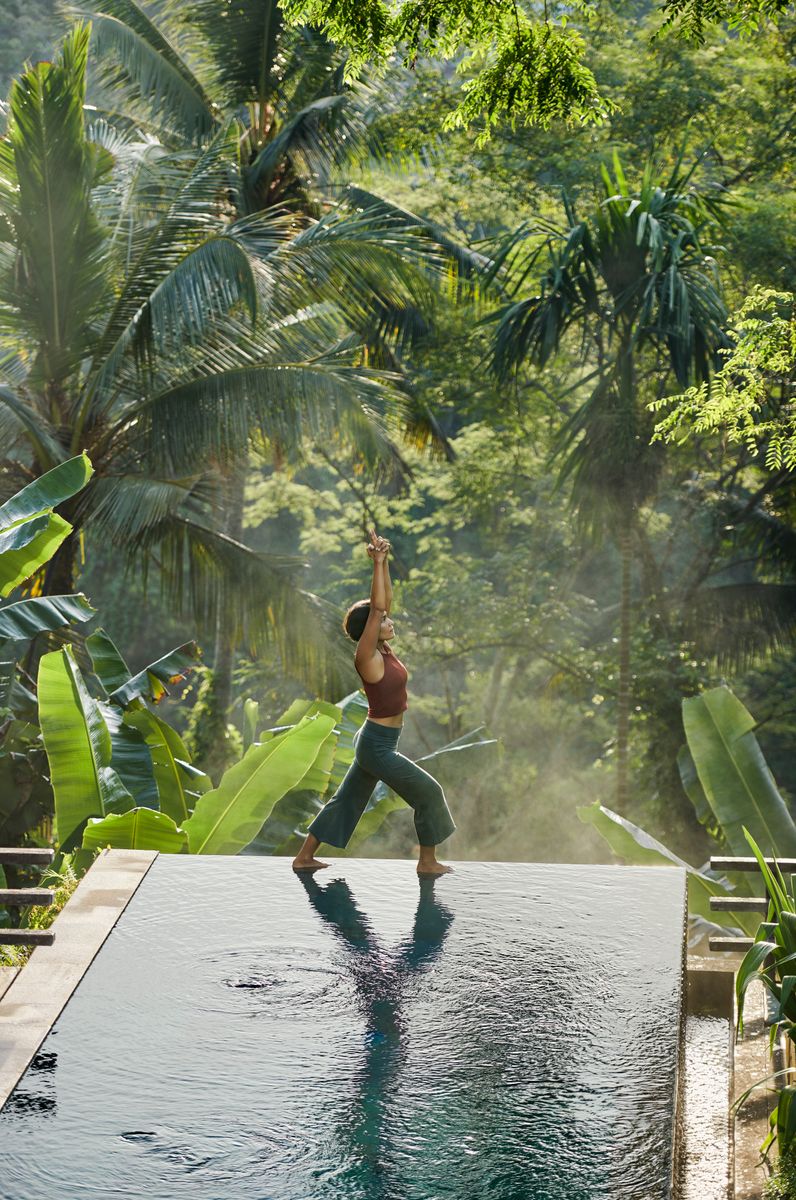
{"x":733,"y":792}
{"x":634,"y":281}
{"x":771,"y":961}
{"x":527,"y":61}
{"x":507,"y":610}
{"x":751,"y":397}
{"x":156,"y":326}
{"x":30,"y":533}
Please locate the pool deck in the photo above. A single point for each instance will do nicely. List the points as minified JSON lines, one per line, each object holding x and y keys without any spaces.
{"x":32,"y":1001}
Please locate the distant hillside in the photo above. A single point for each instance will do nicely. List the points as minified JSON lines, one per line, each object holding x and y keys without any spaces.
{"x":28,"y":30}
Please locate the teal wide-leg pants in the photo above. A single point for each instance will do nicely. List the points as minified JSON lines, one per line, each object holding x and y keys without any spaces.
{"x":376,"y":758}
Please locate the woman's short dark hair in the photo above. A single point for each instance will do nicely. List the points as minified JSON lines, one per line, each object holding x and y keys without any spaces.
{"x":356,"y":619}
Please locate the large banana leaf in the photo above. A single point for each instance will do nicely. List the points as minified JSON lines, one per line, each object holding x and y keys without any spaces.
{"x":354,"y":708}
{"x":131,"y":758}
{"x":302,"y":707}
{"x":151,"y":682}
{"x":299,"y":805}
{"x":227,"y":818}
{"x":24,"y":547}
{"x":47,"y":491}
{"x":23,"y":620}
{"x":138,"y":829}
{"x":179,"y":783}
{"x":640,"y":848}
{"x":30,"y":532}
{"x":78,"y":746}
{"x":693,"y":788}
{"x":735,"y":777}
{"x":106,"y":659}
{"x":316,"y":779}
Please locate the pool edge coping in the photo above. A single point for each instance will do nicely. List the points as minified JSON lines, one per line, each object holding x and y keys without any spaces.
{"x":41,"y":990}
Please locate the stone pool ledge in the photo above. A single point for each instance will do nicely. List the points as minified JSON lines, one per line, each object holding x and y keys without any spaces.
{"x":33,"y":1001}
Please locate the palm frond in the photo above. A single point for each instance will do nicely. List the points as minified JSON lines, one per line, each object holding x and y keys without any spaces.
{"x":49,"y":169}
{"x":125,"y":508}
{"x":243,"y":41}
{"x":361,"y":264}
{"x":737,"y":623}
{"x":469,"y":263}
{"x":204,"y":571}
{"x":17,"y":414}
{"x":132,"y":196}
{"x":136,"y":57}
{"x":211,"y":417}
{"x":190,"y":220}
{"x":308,"y":140}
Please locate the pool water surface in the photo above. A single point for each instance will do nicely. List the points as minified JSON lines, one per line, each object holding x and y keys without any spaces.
{"x":510,"y":1031}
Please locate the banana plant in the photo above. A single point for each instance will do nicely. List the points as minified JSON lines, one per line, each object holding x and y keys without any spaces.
{"x":730,"y":784}
{"x":772,"y":961}
{"x":225,"y":819}
{"x":30,"y":534}
{"x":122,"y":777}
{"x":112,"y":754}
{"x":228,"y":818}
{"x":637,"y":847}
{"x":735,"y":779}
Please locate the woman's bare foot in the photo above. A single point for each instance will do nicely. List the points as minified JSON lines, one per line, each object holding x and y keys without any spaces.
{"x":432,"y":867}
{"x":305,"y":860}
{"x":307,"y":864}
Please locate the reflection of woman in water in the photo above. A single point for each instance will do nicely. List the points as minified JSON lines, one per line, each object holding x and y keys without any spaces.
{"x":380,"y":980}
{"x":384,"y":678}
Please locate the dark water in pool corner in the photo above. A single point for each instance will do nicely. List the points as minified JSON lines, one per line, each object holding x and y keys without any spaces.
{"x":508,"y":1032}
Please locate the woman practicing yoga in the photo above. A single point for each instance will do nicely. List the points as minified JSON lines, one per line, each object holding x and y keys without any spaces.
{"x":384,"y":678}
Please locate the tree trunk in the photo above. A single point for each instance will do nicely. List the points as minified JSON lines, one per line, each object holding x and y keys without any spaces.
{"x":59,"y":574}
{"x":624,"y":693}
{"x":211,"y":746}
{"x":226,"y":632}
{"x":493,"y":688}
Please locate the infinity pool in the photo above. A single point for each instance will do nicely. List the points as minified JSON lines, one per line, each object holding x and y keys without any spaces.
{"x":508,"y":1032}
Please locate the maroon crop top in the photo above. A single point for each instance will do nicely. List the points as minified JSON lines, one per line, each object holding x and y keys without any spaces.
{"x":388,"y":697}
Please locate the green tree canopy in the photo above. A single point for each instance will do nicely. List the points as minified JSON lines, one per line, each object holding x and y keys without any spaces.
{"x":526,"y":61}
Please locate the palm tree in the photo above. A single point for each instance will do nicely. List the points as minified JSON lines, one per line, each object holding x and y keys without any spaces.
{"x":145,"y":320}
{"x":187,"y":68}
{"x":634,"y":282}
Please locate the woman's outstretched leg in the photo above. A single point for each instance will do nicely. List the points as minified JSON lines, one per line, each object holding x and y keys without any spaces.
{"x":433,"y":820}
{"x":337,"y":820}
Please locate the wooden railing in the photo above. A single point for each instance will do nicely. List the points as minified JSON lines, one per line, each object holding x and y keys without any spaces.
{"x":742,"y":903}
{"x":19,"y":897}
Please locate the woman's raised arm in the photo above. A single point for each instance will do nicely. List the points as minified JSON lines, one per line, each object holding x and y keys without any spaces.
{"x":387,"y":587}
{"x":367,"y":656}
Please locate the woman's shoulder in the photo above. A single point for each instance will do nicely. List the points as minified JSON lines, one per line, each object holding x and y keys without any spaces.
{"x":370,"y":661}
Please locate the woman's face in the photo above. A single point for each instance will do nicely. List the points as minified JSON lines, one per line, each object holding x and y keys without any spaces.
{"x":386,"y":629}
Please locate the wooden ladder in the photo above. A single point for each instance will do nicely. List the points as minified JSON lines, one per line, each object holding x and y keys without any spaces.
{"x":17,"y":897}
